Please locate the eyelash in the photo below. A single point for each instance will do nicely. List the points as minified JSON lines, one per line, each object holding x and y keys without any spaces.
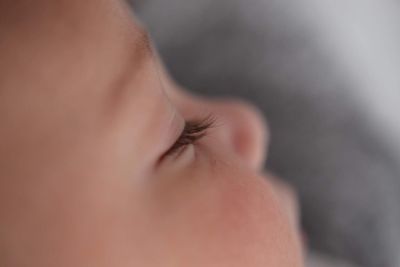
{"x":193,"y":131}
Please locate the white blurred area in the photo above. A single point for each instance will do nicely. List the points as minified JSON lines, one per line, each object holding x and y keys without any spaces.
{"x":364,"y":37}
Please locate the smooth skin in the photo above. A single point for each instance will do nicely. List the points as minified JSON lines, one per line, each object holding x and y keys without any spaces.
{"x":87,"y":113}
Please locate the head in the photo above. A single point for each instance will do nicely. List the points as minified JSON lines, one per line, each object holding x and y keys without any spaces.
{"x":105,"y":161}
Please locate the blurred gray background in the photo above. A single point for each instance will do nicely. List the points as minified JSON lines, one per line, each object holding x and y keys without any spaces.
{"x":327,"y":76}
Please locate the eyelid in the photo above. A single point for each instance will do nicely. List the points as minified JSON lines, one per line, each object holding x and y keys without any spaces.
{"x":193,"y":131}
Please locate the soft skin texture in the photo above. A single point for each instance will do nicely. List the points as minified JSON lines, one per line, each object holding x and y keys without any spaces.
{"x":87,"y":113}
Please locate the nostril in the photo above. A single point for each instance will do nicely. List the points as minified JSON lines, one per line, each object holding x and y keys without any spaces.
{"x":247,"y":131}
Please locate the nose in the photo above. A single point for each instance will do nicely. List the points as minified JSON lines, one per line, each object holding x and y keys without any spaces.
{"x":239,"y":125}
{"x":243,"y":128}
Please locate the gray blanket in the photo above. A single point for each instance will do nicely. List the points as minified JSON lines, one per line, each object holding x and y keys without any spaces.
{"x":329,"y":93}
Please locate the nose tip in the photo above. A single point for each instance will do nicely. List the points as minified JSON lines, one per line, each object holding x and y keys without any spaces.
{"x":246,"y":130}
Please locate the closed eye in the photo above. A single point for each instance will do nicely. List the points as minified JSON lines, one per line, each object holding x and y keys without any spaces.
{"x":193,"y":131}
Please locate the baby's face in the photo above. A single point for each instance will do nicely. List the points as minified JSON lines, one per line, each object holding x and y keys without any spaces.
{"x":97,"y":168}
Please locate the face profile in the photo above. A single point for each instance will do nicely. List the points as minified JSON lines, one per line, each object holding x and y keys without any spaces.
{"x":105,"y":161}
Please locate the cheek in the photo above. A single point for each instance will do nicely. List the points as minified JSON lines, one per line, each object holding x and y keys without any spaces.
{"x":251,"y":225}
{"x":65,"y":229}
{"x":227,"y":219}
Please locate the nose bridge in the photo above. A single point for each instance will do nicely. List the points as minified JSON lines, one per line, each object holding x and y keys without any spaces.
{"x":245,"y":130}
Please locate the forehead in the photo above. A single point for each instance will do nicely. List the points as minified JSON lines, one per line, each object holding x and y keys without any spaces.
{"x":86,"y":61}
{"x":60,"y":33}
{"x":85,"y":47}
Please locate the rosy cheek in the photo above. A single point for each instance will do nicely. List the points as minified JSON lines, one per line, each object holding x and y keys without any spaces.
{"x":252,"y":223}
{"x":225,"y":218}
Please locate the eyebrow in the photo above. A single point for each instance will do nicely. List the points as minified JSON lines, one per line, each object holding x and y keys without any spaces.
{"x":142,"y":42}
{"x":140,"y":49}
{"x":139,"y":52}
